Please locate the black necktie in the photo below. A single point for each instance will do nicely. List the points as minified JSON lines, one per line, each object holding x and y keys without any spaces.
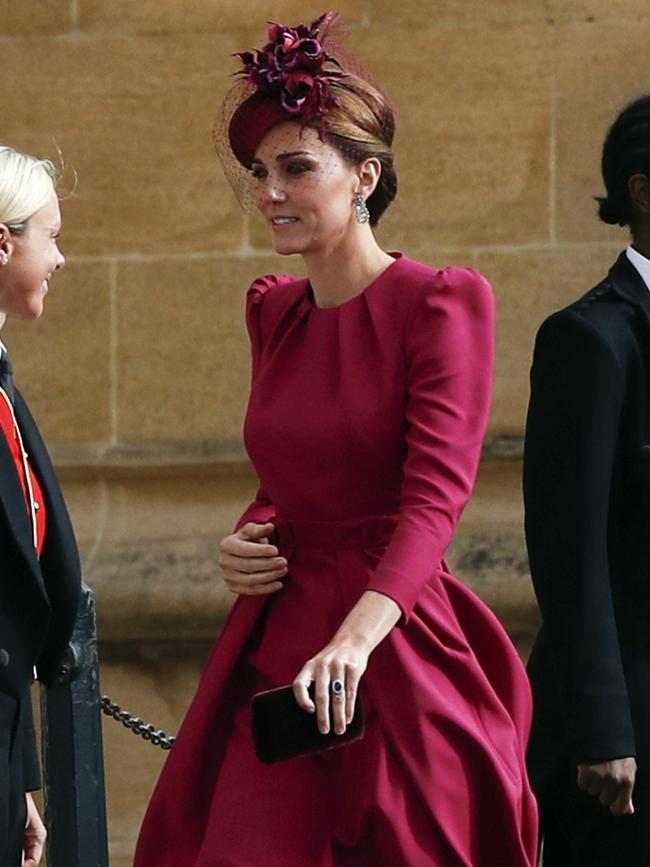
{"x":6,"y":381}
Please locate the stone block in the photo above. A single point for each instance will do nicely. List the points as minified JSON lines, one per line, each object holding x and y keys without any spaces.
{"x":153,"y":564}
{"x":35,"y":17}
{"x":153,"y":16}
{"x":473,"y":131}
{"x":156,"y":683}
{"x":259,"y":237}
{"x":62,"y":361}
{"x":152,"y":590}
{"x":183,"y":353}
{"x":414,"y":14}
{"x":593,"y":86}
{"x":86,"y":498}
{"x":529,"y":285}
{"x":174,"y":504}
{"x":597,"y":9}
{"x":489,"y":551}
{"x":132,"y":117}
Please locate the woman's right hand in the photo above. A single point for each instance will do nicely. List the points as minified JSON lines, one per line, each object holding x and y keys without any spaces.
{"x":250,"y":565}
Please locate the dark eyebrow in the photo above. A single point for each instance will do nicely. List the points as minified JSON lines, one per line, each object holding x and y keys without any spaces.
{"x":282,"y":157}
{"x":290,"y":154}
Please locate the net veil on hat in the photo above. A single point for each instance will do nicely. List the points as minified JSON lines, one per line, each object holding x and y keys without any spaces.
{"x":295,"y":76}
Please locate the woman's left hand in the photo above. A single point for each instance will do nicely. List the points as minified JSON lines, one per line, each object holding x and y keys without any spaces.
{"x":335,"y":673}
{"x":35,"y":834}
{"x":338,"y":668}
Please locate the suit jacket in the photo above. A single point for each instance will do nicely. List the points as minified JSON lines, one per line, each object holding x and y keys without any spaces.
{"x":587,"y":498}
{"x":38,"y":607}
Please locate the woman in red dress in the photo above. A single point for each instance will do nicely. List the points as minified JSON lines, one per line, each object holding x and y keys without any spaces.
{"x":369,"y":403}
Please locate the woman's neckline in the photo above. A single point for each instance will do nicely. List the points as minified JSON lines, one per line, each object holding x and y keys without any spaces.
{"x":396,"y":256}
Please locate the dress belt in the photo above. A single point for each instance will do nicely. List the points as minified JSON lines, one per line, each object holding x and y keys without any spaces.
{"x":356,"y":533}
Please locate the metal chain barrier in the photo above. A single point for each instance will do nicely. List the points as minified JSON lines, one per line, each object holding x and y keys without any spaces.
{"x":146,"y":731}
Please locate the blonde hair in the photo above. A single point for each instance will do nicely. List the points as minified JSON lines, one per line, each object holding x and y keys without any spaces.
{"x":25,"y":186}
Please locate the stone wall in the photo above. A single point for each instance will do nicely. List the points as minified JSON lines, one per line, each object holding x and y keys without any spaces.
{"x":138,"y":370}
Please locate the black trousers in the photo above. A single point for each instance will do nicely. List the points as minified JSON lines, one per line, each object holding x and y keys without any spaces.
{"x":13,"y":810}
{"x":16,"y":827}
{"x":579,"y":832}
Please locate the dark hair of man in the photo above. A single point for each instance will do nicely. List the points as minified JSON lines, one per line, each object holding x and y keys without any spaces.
{"x":626,"y":152}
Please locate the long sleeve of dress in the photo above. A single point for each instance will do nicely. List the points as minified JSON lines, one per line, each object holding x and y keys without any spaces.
{"x":577,"y":390}
{"x":261,"y":510}
{"x":449,"y":349}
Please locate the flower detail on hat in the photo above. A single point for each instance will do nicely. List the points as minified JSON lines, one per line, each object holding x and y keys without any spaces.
{"x":291,"y":65}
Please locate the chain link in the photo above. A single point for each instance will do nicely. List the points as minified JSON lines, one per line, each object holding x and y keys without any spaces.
{"x":146,"y":731}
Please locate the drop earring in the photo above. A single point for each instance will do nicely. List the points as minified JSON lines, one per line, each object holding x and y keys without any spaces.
{"x":361,"y":212}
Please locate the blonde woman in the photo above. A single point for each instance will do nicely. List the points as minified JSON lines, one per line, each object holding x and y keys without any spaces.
{"x":39,"y":567}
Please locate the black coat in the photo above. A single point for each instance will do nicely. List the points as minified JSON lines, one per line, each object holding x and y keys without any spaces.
{"x":587,"y":498}
{"x":38,"y":607}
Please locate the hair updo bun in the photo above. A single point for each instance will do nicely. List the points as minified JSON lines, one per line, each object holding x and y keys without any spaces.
{"x":610,"y":213}
{"x":361,"y":127}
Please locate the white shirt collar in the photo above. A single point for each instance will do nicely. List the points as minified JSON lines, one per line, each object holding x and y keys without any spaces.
{"x":641,"y":264}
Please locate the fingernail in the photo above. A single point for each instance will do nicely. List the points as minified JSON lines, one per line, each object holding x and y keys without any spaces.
{"x":340,"y":730}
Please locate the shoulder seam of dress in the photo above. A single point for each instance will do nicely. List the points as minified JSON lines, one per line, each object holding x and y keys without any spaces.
{"x":263,"y":284}
{"x":436,"y":279}
{"x":425,"y":285}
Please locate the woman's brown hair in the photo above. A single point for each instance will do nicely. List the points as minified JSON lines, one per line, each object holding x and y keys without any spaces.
{"x":361,"y":127}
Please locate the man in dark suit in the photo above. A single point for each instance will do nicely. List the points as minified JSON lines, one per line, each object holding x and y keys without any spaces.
{"x":587,"y":498}
{"x":39,"y":563}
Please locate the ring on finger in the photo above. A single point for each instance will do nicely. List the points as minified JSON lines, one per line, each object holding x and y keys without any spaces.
{"x":337,"y":687}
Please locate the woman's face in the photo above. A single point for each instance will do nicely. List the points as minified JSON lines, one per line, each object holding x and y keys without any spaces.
{"x":304,"y":189}
{"x":33,"y":257}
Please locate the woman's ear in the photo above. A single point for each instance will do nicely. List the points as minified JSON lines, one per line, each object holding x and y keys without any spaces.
{"x":368,"y":174}
{"x":6,"y":244}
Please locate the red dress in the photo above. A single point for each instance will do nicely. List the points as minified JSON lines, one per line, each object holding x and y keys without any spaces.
{"x":365,"y":424}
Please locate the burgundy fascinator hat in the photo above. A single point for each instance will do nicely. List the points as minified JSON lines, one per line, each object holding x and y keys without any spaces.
{"x":291,"y":80}
{"x":292,"y":77}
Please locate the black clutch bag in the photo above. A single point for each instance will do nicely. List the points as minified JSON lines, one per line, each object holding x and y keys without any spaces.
{"x":283,"y":730}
